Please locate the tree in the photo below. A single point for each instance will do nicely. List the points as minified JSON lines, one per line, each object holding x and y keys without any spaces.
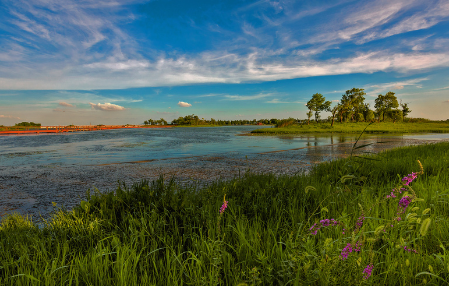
{"x":317,"y":104}
{"x":385,"y":103}
{"x":352,"y":101}
{"x":309,"y":115}
{"x":405,"y":110}
{"x":334,"y":111}
{"x":369,"y":116}
{"x":395,"y":115}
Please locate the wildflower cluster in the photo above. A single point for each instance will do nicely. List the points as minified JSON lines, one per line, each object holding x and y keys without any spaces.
{"x":323,"y":223}
{"x":405,"y":195}
{"x":394,"y":192}
{"x":410,"y":249}
{"x":403,"y":204}
{"x":409,"y":178}
{"x":359,"y":223}
{"x":224,"y":206}
{"x":349,"y":248}
{"x":368,"y":270}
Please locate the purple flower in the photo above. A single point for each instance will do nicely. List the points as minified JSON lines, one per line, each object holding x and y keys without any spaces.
{"x":403,"y":204}
{"x":368,"y":270}
{"x":410,"y":249}
{"x":407,"y":180}
{"x":345,"y":251}
{"x":349,"y":248}
{"x":323,"y":223}
{"x":359,"y":223}
{"x":224,"y":206}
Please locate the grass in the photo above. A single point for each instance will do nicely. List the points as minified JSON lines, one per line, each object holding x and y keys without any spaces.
{"x":159,"y":233}
{"x":377,"y":127}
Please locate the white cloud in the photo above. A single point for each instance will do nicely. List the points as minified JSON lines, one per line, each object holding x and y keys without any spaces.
{"x":106,"y":106}
{"x":66,"y":104}
{"x":9,"y":117}
{"x":442,"y":88}
{"x":120,"y":65}
{"x":375,"y":89}
{"x":276,"y":100}
{"x":74,"y":27}
{"x":184,"y":104}
{"x":247,"y":97}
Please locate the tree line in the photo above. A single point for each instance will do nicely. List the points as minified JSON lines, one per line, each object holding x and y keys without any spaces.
{"x":352,"y":107}
{"x":28,"y":124}
{"x":193,"y":119}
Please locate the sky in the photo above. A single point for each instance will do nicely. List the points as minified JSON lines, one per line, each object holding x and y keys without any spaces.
{"x":126,"y":61}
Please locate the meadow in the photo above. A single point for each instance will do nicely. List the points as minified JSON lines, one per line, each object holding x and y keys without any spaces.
{"x":358,"y":127}
{"x":374,"y":219}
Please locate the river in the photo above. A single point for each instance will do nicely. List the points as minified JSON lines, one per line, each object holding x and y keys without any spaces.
{"x":36,"y":170}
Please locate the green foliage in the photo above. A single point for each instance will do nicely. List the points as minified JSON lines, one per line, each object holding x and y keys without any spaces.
{"x":28,"y":124}
{"x":409,"y":126}
{"x":160,"y":233}
{"x":384,"y":104}
{"x":285,"y":122}
{"x":317,"y":104}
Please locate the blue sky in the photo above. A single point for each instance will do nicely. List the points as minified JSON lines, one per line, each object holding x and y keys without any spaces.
{"x":118,"y":62}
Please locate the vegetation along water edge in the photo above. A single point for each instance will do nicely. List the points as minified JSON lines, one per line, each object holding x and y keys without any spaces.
{"x":372,"y":219}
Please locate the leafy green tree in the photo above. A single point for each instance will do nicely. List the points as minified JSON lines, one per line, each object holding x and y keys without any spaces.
{"x":369,"y":116}
{"x":334,"y":111}
{"x":385,"y":103}
{"x":405,"y":110}
{"x":360,"y":117}
{"x":309,"y":115}
{"x":317,"y":104}
{"x":353,"y":102}
{"x":395,"y":115}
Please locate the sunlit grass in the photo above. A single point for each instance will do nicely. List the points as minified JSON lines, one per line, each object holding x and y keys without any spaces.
{"x":377,"y":127}
{"x":159,"y":233}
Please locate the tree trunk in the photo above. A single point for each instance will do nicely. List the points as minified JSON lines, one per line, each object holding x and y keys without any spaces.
{"x":332,"y":122}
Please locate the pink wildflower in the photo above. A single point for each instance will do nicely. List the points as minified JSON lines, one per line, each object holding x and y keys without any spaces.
{"x":224,"y":206}
{"x":368,"y":270}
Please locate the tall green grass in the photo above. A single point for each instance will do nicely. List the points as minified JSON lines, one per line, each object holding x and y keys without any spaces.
{"x":376,"y":127}
{"x":159,"y":233}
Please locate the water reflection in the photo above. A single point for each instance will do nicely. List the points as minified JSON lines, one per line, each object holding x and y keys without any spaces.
{"x":122,"y":145}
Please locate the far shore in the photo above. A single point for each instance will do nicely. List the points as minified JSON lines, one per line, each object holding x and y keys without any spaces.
{"x":375,"y":127}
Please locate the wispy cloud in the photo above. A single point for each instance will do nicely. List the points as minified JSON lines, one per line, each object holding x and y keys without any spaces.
{"x":66,"y":104}
{"x":375,"y":89}
{"x":68,"y":44}
{"x":247,"y":97}
{"x":442,"y":88}
{"x":184,"y":104}
{"x":106,"y":107}
{"x":9,"y":117}
{"x":276,"y":100}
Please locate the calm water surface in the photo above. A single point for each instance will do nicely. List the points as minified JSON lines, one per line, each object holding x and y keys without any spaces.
{"x":127,"y":145}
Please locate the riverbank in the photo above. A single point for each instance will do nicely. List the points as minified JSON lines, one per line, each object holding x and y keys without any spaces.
{"x":24,"y":130}
{"x":349,"y":128}
{"x":162,"y":233}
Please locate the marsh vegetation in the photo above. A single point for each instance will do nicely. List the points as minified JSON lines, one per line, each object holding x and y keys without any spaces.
{"x":253,"y":230}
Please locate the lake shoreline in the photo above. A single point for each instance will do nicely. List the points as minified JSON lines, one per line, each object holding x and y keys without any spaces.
{"x":31,"y":190}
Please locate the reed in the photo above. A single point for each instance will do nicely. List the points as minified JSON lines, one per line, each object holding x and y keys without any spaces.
{"x":160,"y":233}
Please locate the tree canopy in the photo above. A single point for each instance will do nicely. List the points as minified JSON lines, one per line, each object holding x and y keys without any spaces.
{"x":317,"y":104}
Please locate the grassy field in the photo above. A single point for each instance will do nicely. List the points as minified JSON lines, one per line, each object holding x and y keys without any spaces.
{"x":271,"y":230}
{"x":377,"y":127}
